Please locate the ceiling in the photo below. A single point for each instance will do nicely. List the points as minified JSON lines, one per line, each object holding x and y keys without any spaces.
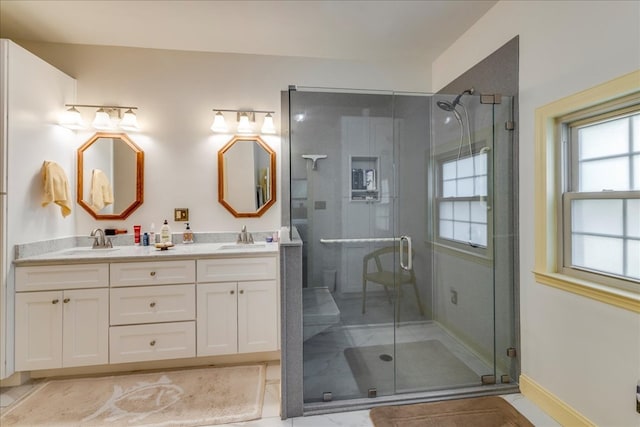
{"x":358,"y":30}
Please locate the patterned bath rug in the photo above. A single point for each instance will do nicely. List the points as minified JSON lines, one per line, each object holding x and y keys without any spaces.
{"x":189,"y":397}
{"x":476,"y":412}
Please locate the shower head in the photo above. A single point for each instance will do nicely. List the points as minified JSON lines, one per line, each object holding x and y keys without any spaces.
{"x":451,"y":106}
{"x":446,"y":105}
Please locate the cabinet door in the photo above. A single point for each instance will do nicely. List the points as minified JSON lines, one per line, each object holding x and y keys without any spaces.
{"x":86,"y":327}
{"x":217,"y":315}
{"x":257,"y":316}
{"x":38,"y":330}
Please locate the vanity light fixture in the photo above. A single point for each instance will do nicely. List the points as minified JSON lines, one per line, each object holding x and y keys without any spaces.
{"x":267,"y":125}
{"x":103,"y":119}
{"x":245,"y":120}
{"x":244,"y":126}
{"x":219,"y":125}
{"x":129,"y":121}
{"x":72,"y":119}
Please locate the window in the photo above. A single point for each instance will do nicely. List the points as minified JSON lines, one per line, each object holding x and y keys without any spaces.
{"x":462,"y":207}
{"x":586,"y":193}
{"x":601,"y":197}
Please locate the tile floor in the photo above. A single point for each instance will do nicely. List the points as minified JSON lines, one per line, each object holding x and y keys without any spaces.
{"x":271,"y":408}
{"x":361,"y":418}
{"x":325,"y":351}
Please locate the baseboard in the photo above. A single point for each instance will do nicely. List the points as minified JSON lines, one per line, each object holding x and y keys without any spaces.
{"x":551,"y":404}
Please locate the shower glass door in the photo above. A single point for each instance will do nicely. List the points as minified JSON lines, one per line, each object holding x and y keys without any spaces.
{"x":393,"y":198}
{"x":343,"y":205}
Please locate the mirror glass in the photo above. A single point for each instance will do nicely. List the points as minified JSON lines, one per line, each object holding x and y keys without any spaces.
{"x":246,"y":176}
{"x":110,"y":176}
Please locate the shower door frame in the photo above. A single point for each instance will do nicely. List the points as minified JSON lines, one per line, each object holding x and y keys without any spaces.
{"x":292,"y":402}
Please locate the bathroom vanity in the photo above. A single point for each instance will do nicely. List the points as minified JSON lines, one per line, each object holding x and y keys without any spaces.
{"x":81,"y":306}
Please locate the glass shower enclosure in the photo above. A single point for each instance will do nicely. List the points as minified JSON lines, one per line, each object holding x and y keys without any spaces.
{"x":405,"y":206}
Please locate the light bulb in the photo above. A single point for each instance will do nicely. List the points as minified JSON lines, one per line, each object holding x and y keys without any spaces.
{"x":219,"y":125}
{"x":267,"y":125}
{"x":72,"y":119}
{"x":102,"y":120}
{"x":244,"y":125}
{"x":129,"y":121}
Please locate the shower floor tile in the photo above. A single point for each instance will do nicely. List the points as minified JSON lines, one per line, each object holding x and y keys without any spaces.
{"x":326,"y":368}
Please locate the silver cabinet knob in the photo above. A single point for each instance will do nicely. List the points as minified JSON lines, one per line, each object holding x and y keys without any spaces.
{"x":66,"y":300}
{"x":153,"y":304}
{"x":152,"y":274}
{"x":232,"y":292}
{"x":55,"y":301}
{"x":241,"y":291}
{"x":152,"y":343}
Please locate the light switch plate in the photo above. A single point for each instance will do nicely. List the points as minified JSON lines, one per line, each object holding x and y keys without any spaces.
{"x":181,"y":214}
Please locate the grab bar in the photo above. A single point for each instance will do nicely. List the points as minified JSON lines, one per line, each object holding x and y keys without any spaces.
{"x":363,"y":240}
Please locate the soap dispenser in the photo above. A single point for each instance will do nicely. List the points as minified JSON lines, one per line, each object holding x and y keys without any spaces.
{"x":165,"y":233}
{"x":187,"y":235}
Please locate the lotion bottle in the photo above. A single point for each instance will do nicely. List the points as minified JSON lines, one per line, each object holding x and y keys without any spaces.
{"x":152,"y":234}
{"x":165,"y":233}
{"x":187,"y":235}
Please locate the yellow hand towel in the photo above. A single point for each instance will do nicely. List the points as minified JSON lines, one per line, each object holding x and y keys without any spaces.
{"x":55,"y":187}
{"x":101,"y":192}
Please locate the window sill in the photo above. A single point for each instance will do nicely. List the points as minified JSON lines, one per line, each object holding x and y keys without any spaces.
{"x":616,"y":297}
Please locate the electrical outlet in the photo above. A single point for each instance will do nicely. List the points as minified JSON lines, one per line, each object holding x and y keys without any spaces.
{"x":181,"y":214}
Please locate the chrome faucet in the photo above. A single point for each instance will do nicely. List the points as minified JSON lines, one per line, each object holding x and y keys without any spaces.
{"x":99,"y":240}
{"x":244,"y":236}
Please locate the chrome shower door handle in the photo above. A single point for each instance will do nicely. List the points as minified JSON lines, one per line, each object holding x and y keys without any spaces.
{"x":409,"y":264}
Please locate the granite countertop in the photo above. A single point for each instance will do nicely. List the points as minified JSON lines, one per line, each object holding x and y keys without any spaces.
{"x":129,"y":253}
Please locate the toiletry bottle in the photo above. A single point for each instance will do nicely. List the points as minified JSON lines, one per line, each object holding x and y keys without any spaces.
{"x":165,"y":233}
{"x":187,"y":235}
{"x":152,"y":234}
{"x":136,"y":234}
{"x":145,"y":239}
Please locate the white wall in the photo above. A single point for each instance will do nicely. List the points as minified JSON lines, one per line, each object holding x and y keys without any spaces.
{"x":585,"y":352}
{"x":35,"y":91}
{"x":176,"y":92}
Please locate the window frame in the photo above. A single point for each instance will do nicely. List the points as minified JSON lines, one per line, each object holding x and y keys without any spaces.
{"x":484,"y":252}
{"x":549,"y":180}
{"x":568,"y":190}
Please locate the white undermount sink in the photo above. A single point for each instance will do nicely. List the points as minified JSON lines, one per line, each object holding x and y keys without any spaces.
{"x":242,"y":246}
{"x":90,"y":251}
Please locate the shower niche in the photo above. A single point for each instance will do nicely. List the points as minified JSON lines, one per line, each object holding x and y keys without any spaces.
{"x":364,"y":178}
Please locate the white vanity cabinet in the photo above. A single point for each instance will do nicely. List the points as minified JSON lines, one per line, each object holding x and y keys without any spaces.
{"x":62,"y":316}
{"x":145,"y":309}
{"x":237,"y":305}
{"x":152,"y":311}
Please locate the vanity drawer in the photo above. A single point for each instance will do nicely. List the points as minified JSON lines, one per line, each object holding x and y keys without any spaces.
{"x":152,"y":273}
{"x":236,"y":269}
{"x":139,"y":343}
{"x":151,"y":304}
{"x":52,"y":277}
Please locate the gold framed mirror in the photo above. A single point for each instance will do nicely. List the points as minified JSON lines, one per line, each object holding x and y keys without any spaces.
{"x":110,"y":176}
{"x":246,"y":176}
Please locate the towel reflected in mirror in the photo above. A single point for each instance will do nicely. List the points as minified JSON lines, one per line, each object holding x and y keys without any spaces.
{"x":101,"y":190}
